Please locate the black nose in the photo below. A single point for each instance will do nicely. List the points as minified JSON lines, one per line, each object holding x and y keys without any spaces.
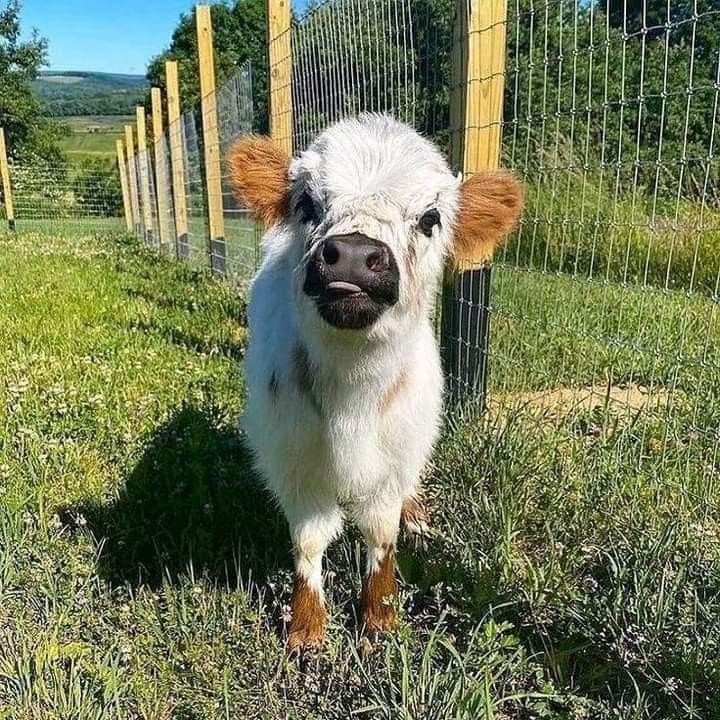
{"x":353,"y":260}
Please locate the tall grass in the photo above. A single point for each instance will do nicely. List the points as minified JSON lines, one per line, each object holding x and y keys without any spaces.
{"x":600,"y":225}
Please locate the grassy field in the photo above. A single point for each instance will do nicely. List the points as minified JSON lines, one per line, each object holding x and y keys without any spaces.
{"x":92,"y":136}
{"x":574,"y":568}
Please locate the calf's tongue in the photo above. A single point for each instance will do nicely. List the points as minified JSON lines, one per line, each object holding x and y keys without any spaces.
{"x":338,"y":287}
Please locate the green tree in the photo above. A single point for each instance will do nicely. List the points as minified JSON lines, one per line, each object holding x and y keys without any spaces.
{"x":239,"y":35}
{"x":28,"y":133}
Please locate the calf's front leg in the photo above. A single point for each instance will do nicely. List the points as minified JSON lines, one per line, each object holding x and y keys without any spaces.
{"x":311,"y":533}
{"x":379,"y":525}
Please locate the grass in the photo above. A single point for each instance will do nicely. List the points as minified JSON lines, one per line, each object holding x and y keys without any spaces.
{"x":92,"y":136}
{"x":573,"y":573}
{"x":580,"y":223}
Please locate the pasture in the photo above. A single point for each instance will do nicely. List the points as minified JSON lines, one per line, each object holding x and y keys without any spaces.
{"x":92,"y":136}
{"x":574,"y":566}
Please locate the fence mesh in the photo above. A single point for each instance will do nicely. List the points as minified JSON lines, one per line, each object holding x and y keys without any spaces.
{"x":605,"y":300}
{"x":185,"y":227}
{"x":78,"y":199}
{"x":604,"y":303}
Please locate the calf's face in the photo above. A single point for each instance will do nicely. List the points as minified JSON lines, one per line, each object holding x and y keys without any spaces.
{"x":369,"y":213}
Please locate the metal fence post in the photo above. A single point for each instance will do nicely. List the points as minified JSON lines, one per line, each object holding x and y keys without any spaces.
{"x":177,"y":161}
{"x":476,"y":121}
{"x":280,"y":74}
{"x":211,"y":141}
{"x":6,"y":186}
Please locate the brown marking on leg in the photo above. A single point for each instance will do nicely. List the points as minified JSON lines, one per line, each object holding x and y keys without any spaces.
{"x":307,"y":624}
{"x":414,"y":516}
{"x":379,"y":589}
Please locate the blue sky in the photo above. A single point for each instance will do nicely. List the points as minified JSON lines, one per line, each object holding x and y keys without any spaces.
{"x":120,"y":36}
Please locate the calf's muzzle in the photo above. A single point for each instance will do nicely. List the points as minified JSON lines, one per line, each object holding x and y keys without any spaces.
{"x":353,"y":279}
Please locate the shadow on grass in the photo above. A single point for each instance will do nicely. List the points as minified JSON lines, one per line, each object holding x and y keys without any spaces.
{"x":191,"y":504}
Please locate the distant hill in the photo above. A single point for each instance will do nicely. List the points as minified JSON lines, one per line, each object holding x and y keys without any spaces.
{"x":69,"y":93}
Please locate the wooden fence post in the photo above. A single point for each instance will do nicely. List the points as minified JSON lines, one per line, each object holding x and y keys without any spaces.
{"x":476,"y":121}
{"x":280,"y":68}
{"x":211,"y":141}
{"x":6,"y":186}
{"x":176,"y":158}
{"x":122,"y":169}
{"x":161,"y":178}
{"x":132,"y":179}
{"x":144,"y":168}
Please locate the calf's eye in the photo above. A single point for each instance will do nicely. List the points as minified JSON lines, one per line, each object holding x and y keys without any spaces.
{"x":428,"y":221}
{"x":306,"y":209}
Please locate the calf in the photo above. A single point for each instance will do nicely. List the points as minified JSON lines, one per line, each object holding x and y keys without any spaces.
{"x":343,"y":370}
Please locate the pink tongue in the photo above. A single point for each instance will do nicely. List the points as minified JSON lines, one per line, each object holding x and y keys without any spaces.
{"x":344,"y":288}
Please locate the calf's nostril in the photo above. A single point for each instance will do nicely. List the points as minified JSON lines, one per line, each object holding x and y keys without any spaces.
{"x":330,"y":253}
{"x":376,"y":261}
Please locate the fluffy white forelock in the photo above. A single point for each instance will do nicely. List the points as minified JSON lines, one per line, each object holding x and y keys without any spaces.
{"x":376,"y":157}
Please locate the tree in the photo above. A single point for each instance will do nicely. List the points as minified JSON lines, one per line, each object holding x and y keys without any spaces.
{"x":239,"y":35}
{"x":28,"y":133}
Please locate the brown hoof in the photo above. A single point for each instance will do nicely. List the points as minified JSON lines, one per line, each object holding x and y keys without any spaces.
{"x":377,"y":620}
{"x":305,"y":638}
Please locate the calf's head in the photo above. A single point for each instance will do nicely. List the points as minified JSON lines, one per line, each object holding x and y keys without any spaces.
{"x":368,"y":215}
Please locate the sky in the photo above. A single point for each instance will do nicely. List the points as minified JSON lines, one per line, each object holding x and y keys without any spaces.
{"x":120,"y":36}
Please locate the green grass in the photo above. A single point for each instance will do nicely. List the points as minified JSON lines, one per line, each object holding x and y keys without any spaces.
{"x":81,"y":145}
{"x":579,"y":223}
{"x":92,"y":136}
{"x":573,"y":573}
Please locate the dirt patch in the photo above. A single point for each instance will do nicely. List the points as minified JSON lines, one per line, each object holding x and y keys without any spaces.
{"x":555,"y":402}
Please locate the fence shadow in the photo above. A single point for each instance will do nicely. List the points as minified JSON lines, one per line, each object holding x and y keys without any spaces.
{"x":192,"y":503}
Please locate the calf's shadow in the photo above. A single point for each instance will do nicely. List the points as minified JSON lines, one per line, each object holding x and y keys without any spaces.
{"x":192,"y":503}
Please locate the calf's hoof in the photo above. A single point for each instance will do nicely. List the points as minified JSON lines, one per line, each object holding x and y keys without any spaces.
{"x":379,"y":619}
{"x":305,"y":638}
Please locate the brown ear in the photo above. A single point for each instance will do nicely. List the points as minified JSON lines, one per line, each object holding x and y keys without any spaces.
{"x":490,"y":206}
{"x":259,"y":176}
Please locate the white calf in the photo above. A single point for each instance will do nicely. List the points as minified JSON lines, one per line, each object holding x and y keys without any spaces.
{"x":343,"y":371}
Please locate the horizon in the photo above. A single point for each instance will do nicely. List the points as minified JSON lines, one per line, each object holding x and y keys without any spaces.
{"x":117,"y":40}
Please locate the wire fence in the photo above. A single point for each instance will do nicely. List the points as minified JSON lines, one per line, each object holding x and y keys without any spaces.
{"x":605,"y":299}
{"x":188,"y":238}
{"x":51,"y":196}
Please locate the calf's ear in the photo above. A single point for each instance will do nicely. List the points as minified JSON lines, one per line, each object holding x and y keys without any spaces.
{"x":490,"y":206}
{"x":259,"y":176}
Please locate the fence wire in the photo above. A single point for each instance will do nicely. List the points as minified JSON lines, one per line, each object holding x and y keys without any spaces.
{"x":184,"y":225}
{"x":606,"y":298}
{"x":603,"y":305}
{"x":350,"y":57}
{"x":78,"y":199}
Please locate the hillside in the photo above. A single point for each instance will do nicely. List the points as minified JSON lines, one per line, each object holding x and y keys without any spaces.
{"x":89,"y":93}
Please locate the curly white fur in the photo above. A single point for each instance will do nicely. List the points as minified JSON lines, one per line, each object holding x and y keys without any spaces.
{"x":343,"y":421}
